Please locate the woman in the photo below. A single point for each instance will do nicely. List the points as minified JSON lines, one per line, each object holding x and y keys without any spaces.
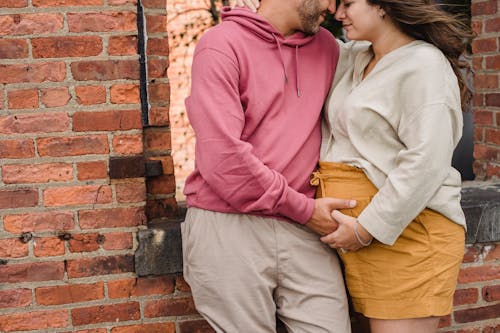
{"x":394,"y":117}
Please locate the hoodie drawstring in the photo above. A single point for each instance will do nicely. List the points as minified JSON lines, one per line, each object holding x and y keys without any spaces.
{"x":283,"y":64}
{"x":281,"y":57}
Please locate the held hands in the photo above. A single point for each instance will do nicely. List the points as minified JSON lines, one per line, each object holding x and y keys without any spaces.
{"x":345,"y":236}
{"x":321,"y":221}
{"x":251,"y":4}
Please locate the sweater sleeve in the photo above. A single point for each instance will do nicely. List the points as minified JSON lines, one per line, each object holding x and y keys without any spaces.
{"x":429,"y":136}
{"x":226,"y":162}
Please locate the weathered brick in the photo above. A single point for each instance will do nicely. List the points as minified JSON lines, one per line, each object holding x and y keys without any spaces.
{"x":38,"y":271}
{"x":485,"y":81}
{"x":22,"y":99}
{"x":159,"y":116}
{"x":492,"y":253}
{"x":465,"y":296}
{"x":125,"y":94}
{"x":94,"y":330}
{"x":30,"y":24}
{"x":92,"y":170}
{"x":472,"y":254}
{"x":88,"y":95}
{"x":476,"y":314}
{"x":160,"y":4}
{"x":491,"y":293}
{"x":492,"y":25}
{"x":102,"y":70}
{"x":66,"y":46}
{"x":157,"y":68}
{"x":37,"y":173}
{"x":157,"y":46}
{"x":195,"y":326}
{"x":492,"y":136}
{"x":495,"y":328}
{"x":146,"y":328}
{"x":159,"y":140}
{"x":13,"y":48}
{"x":73,"y":146}
{"x":130,"y":192}
{"x":102,"y":22}
{"x":477,"y":26}
{"x":483,"y":117}
{"x":482,"y":152}
{"x":483,"y":8}
{"x":121,"y":2}
{"x":48,"y":247}
{"x":127,"y":144}
{"x":64,"y":3}
{"x":164,"y":184}
{"x":13,"y":3}
{"x":132,"y":166}
{"x":107,"y":120}
{"x":13,"y":248}
{"x":117,"y":241}
{"x":492,"y":99}
{"x":483,"y":45}
{"x":111,"y":218}
{"x":159,"y":208}
{"x":84,"y":242}
{"x":33,"y":73}
{"x":39,"y":221}
{"x":493,"y":62}
{"x":156,"y":24}
{"x":34,"y":123}
{"x":17,"y":148}
{"x":169,"y":307}
{"x":444,"y":321}
{"x":140,"y":287}
{"x":34,"y":320}
{"x":479,"y":273}
{"x":72,"y":293}
{"x":18,"y":198}
{"x":55,"y":97}
{"x":105,"y":313}
{"x":159,"y":92}
{"x":122,"y":45}
{"x":15,"y":298}
{"x":492,"y":171}
{"x":77,"y":195}
{"x":100,"y":266}
{"x":181,"y":284}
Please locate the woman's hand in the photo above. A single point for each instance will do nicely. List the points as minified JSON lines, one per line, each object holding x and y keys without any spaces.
{"x":251,"y":4}
{"x":345,"y":235}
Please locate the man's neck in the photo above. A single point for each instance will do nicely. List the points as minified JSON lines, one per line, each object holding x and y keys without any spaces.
{"x":279,"y":15}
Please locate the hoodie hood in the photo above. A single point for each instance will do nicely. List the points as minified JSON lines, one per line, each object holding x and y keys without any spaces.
{"x":263,"y":29}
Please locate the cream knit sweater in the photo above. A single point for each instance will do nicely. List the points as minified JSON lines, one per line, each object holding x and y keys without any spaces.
{"x":400,"y":125}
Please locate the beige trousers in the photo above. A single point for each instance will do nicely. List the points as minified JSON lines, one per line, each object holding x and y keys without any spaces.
{"x":245,"y":270}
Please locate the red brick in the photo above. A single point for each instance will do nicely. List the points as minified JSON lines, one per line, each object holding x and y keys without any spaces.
{"x":100,"y":266}
{"x":127,"y":144}
{"x":479,"y":273}
{"x":34,"y":320}
{"x":13,"y":3}
{"x":483,"y":8}
{"x":72,"y":293}
{"x":492,"y":136}
{"x":492,"y":253}
{"x":38,"y":271}
{"x":160,"y":4}
{"x":107,"y":120}
{"x":157,"y":46}
{"x":492,"y":329}
{"x":158,"y":140}
{"x":169,"y":307}
{"x":15,"y":298}
{"x":36,"y":173}
{"x":164,"y":184}
{"x":77,"y":195}
{"x":13,"y":248}
{"x":477,"y":314}
{"x":484,"y":45}
{"x":130,"y":192}
{"x":156,"y":24}
{"x":102,"y":70}
{"x":73,"y":146}
{"x":34,"y":123}
{"x":492,"y":99}
{"x":66,"y":46}
{"x":477,"y":26}
{"x":23,"y":99}
{"x":492,"y":170}
{"x":465,"y":296}
{"x":479,"y":134}
{"x":95,"y":330}
{"x":88,"y":95}
{"x":486,"y":81}
{"x":64,"y":3}
{"x":477,"y":62}
{"x":478,"y":99}
{"x":105,"y":313}
{"x":482,"y":152}
{"x":33,"y":73}
{"x":102,"y":22}
{"x":18,"y":198}
{"x":157,"y":68}
{"x":122,"y":45}
{"x":146,"y":328}
{"x":493,"y":62}
{"x":84,"y":243}
{"x":491,"y":293}
{"x":48,"y":247}
{"x":482,"y":117}
{"x":121,"y":2}
{"x":117,"y":241}
{"x":92,"y":170}
{"x":111,"y":218}
{"x":125,"y":94}
{"x":140,"y":287}
{"x":159,"y":116}
{"x":492,"y":25}
{"x":39,"y":221}
{"x":13,"y":48}
{"x":161,"y":208}
{"x":471,"y":254}
{"x":182,"y":285}
{"x":30,"y":24}
{"x":17,"y":148}
{"x":54,"y":97}
{"x":196,"y":326}
{"x":444,"y":321}
{"x":159,"y":92}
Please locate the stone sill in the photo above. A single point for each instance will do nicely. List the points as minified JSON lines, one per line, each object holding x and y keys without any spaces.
{"x":160,"y":248}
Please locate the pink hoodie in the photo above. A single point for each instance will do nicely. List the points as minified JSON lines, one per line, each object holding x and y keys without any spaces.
{"x":255,"y":106}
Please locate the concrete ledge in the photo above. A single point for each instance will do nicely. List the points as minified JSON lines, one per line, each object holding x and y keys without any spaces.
{"x":160,"y":248}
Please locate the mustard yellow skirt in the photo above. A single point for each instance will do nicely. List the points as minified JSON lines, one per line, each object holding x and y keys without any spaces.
{"x":414,"y":278}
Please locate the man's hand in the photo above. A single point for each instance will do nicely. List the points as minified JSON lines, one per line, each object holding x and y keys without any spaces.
{"x":321,"y":222}
{"x":345,"y":235}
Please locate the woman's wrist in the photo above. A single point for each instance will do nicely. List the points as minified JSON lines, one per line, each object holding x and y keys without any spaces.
{"x":362,"y":235}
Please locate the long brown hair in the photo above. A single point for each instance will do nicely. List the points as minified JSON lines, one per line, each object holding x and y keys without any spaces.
{"x":424,"y":20}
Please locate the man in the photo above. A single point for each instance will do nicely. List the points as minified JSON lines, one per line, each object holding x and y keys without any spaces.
{"x":251,"y":236}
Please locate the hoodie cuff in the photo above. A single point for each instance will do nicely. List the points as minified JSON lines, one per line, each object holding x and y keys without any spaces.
{"x":297,"y":207}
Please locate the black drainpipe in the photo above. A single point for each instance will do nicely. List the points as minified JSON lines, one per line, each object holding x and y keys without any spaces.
{"x":141,"y":47}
